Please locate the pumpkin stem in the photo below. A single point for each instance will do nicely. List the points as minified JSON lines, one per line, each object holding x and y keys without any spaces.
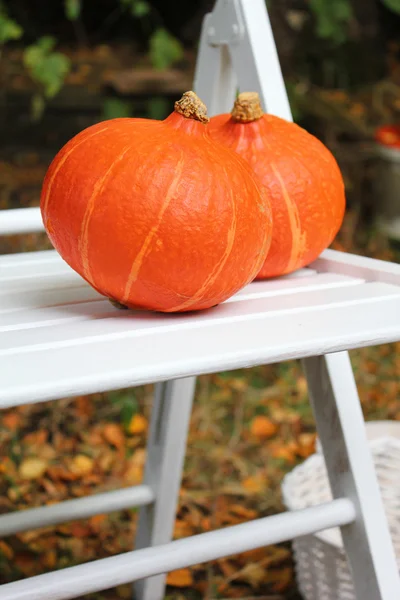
{"x":191,"y":107}
{"x":247,"y":108}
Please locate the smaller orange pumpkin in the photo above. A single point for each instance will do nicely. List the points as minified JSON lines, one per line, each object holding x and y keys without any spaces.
{"x":300,"y":175}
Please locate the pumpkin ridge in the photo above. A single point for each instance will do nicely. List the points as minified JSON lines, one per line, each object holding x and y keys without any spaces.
{"x":298,"y":238}
{"x":83,"y":242}
{"x":218,"y":267}
{"x":137,"y":263}
{"x":61,"y":164}
{"x":296,"y":157}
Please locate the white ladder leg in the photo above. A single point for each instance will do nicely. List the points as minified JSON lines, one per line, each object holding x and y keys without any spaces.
{"x":214,"y":79}
{"x":165,"y":457}
{"x":340,"y":426}
{"x":237,"y":52}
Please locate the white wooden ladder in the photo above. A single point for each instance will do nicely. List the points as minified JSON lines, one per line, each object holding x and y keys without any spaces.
{"x":317,"y":314}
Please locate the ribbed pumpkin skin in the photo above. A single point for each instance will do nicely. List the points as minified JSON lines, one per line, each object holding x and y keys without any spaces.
{"x":156,"y":215}
{"x":303,"y":181}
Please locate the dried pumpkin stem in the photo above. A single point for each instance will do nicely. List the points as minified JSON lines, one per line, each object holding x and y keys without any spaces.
{"x":247,"y":108}
{"x":191,"y":107}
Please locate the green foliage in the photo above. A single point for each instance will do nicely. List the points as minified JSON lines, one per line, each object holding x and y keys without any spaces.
{"x":72,"y":9}
{"x":9,"y":29}
{"x":137,"y":8}
{"x":48,"y":69}
{"x":127,"y":404}
{"x":393,"y":5}
{"x":332,"y":19}
{"x":114,"y":108}
{"x":158,"y":108}
{"x":293,"y":101}
{"x":165,"y":49}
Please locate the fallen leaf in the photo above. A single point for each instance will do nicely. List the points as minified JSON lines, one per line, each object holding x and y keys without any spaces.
{"x":227,"y":567}
{"x":284,"y":453}
{"x":302,"y":386}
{"x":114,"y":435}
{"x":242,"y":511}
{"x":182,"y":529}
{"x":137,"y":425}
{"x":251,"y":573}
{"x":134,"y":474}
{"x":60,"y":473}
{"x":50,"y":559}
{"x":11,"y":420}
{"x":32,"y":468}
{"x":96,"y":522}
{"x":136,"y":464}
{"x":124,"y":592}
{"x":84,"y":407}
{"x":36,"y":438}
{"x":284,"y":577}
{"x":255,"y":555}
{"x":262,"y":427}
{"x":80,"y":530}
{"x":25,"y":562}
{"x":255,"y":483}
{"x":6,"y":550}
{"x":106,"y":460}
{"x":180,"y":578}
{"x":81,"y":465}
{"x":306,"y":444}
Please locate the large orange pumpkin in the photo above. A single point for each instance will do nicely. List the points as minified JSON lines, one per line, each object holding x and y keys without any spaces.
{"x":155,"y":214}
{"x":300,"y":174}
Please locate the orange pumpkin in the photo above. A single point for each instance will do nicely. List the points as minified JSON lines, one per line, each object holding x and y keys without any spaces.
{"x":300,"y":174}
{"x":155,"y":214}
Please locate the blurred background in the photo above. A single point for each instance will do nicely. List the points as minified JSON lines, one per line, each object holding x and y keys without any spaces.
{"x":65,"y":65}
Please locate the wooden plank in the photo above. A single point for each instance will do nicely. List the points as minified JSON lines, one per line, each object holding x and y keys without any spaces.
{"x":136,"y":323}
{"x":133,"y":351}
{"x":293,"y":285}
{"x":46,"y":305}
{"x":13,"y":320}
{"x":20,"y":220}
{"x":42,"y":282}
{"x":40,"y":298}
{"x":370,"y":269}
{"x":23,"y":258}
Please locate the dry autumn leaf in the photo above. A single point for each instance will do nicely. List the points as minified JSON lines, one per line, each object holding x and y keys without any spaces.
{"x":302,"y":386}
{"x":114,"y":435}
{"x":32,"y":468}
{"x":6,"y":550}
{"x":180,"y":578}
{"x":243,"y":511}
{"x":81,"y":465}
{"x":283,"y":578}
{"x":11,"y":420}
{"x":137,"y":425}
{"x":263,"y":427}
{"x":284,"y":453}
{"x":255,"y":483}
{"x":251,"y":573}
{"x":182,"y":529}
